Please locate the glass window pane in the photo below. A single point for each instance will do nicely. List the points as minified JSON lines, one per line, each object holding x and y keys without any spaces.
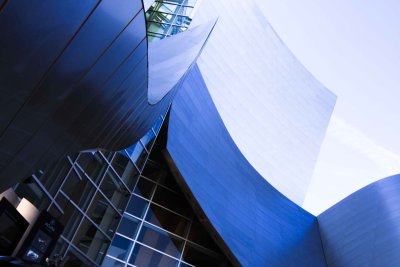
{"x":137,"y":206}
{"x":71,"y":217}
{"x":93,"y":165}
{"x":200,"y":236}
{"x":125,"y":169}
{"x":74,"y":258}
{"x":167,"y":220}
{"x":78,"y":190}
{"x":137,"y":154}
{"x":169,"y":181}
{"x":200,"y":257}
{"x":115,"y":191}
{"x":160,"y":28}
{"x":91,"y":241}
{"x":172,"y":201}
{"x":148,"y":139}
{"x":145,"y":188}
{"x":120,"y":247}
{"x":105,"y":216}
{"x":157,"y":125}
{"x":145,"y":257}
{"x":109,"y":262}
{"x":128,"y":226}
{"x":160,"y":240}
{"x":154,"y":171}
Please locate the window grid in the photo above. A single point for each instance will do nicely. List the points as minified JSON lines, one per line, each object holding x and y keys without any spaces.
{"x":72,"y":167}
{"x":142,"y":223}
{"x":165,"y":18}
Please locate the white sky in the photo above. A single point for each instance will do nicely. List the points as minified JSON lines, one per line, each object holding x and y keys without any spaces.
{"x":353,"y":48}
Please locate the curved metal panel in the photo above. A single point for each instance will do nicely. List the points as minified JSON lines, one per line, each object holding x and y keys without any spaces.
{"x":364,"y":228}
{"x":266,"y":98}
{"x":170,"y":58}
{"x":260,"y":226}
{"x":74,"y":76}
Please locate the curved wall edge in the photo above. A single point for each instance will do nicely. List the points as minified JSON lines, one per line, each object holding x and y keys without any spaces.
{"x":364,"y":228}
{"x":261,"y":90}
{"x":172,"y":57}
{"x":260,"y":225}
{"x":74,"y":81}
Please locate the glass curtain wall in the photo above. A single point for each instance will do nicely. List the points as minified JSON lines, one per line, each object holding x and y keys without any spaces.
{"x":88,"y":193}
{"x":158,"y":227}
{"x":168,"y":17}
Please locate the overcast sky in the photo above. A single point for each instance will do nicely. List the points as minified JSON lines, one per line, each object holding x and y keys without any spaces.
{"x":353,"y":48}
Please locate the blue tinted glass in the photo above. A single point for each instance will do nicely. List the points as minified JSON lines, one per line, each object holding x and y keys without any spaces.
{"x":137,"y":206}
{"x":160,"y":240}
{"x":109,"y":262}
{"x":137,"y":154}
{"x":145,"y":257}
{"x":120,"y":247}
{"x":148,"y":139}
{"x":128,"y":226}
{"x":157,"y":125}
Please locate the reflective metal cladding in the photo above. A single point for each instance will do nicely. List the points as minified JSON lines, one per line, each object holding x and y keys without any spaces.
{"x":364,"y":228}
{"x":74,"y":76}
{"x":275,"y":110}
{"x":260,"y":226}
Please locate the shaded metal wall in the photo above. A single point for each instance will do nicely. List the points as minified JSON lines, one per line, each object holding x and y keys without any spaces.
{"x":260,"y":226}
{"x":364,"y":228}
{"x":73,"y":76}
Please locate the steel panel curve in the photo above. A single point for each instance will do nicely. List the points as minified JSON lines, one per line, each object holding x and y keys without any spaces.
{"x":74,"y":76}
{"x":260,"y":226}
{"x":364,"y":228}
{"x":266,"y":98}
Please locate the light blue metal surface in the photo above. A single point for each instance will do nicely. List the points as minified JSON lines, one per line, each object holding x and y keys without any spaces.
{"x":275,"y":110}
{"x":260,"y":225}
{"x":364,"y":228}
{"x":170,"y":58}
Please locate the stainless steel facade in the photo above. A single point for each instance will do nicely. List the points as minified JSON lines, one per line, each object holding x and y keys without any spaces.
{"x":364,"y":228}
{"x":275,"y":110}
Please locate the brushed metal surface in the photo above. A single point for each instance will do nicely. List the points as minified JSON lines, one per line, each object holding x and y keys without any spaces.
{"x":260,"y":225}
{"x":74,"y":76}
{"x":364,"y":228}
{"x":275,"y":110}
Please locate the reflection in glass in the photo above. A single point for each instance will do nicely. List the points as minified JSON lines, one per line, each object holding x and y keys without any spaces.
{"x":143,"y":256}
{"x":160,"y":240}
{"x":115,"y":191}
{"x":91,"y":241}
{"x":137,"y":206}
{"x":93,"y":165}
{"x":167,"y":220}
{"x":145,"y":188}
{"x":77,"y":189}
{"x":120,"y":247}
{"x":148,"y":139}
{"x":128,"y":226}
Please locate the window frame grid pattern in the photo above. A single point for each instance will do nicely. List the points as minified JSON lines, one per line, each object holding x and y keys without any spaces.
{"x":143,"y":221}
{"x":72,"y":165}
{"x":179,"y":21}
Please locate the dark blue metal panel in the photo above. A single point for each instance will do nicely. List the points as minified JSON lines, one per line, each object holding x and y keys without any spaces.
{"x":89,"y":89}
{"x":56,"y":58}
{"x":260,"y":226}
{"x":364,"y":228}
